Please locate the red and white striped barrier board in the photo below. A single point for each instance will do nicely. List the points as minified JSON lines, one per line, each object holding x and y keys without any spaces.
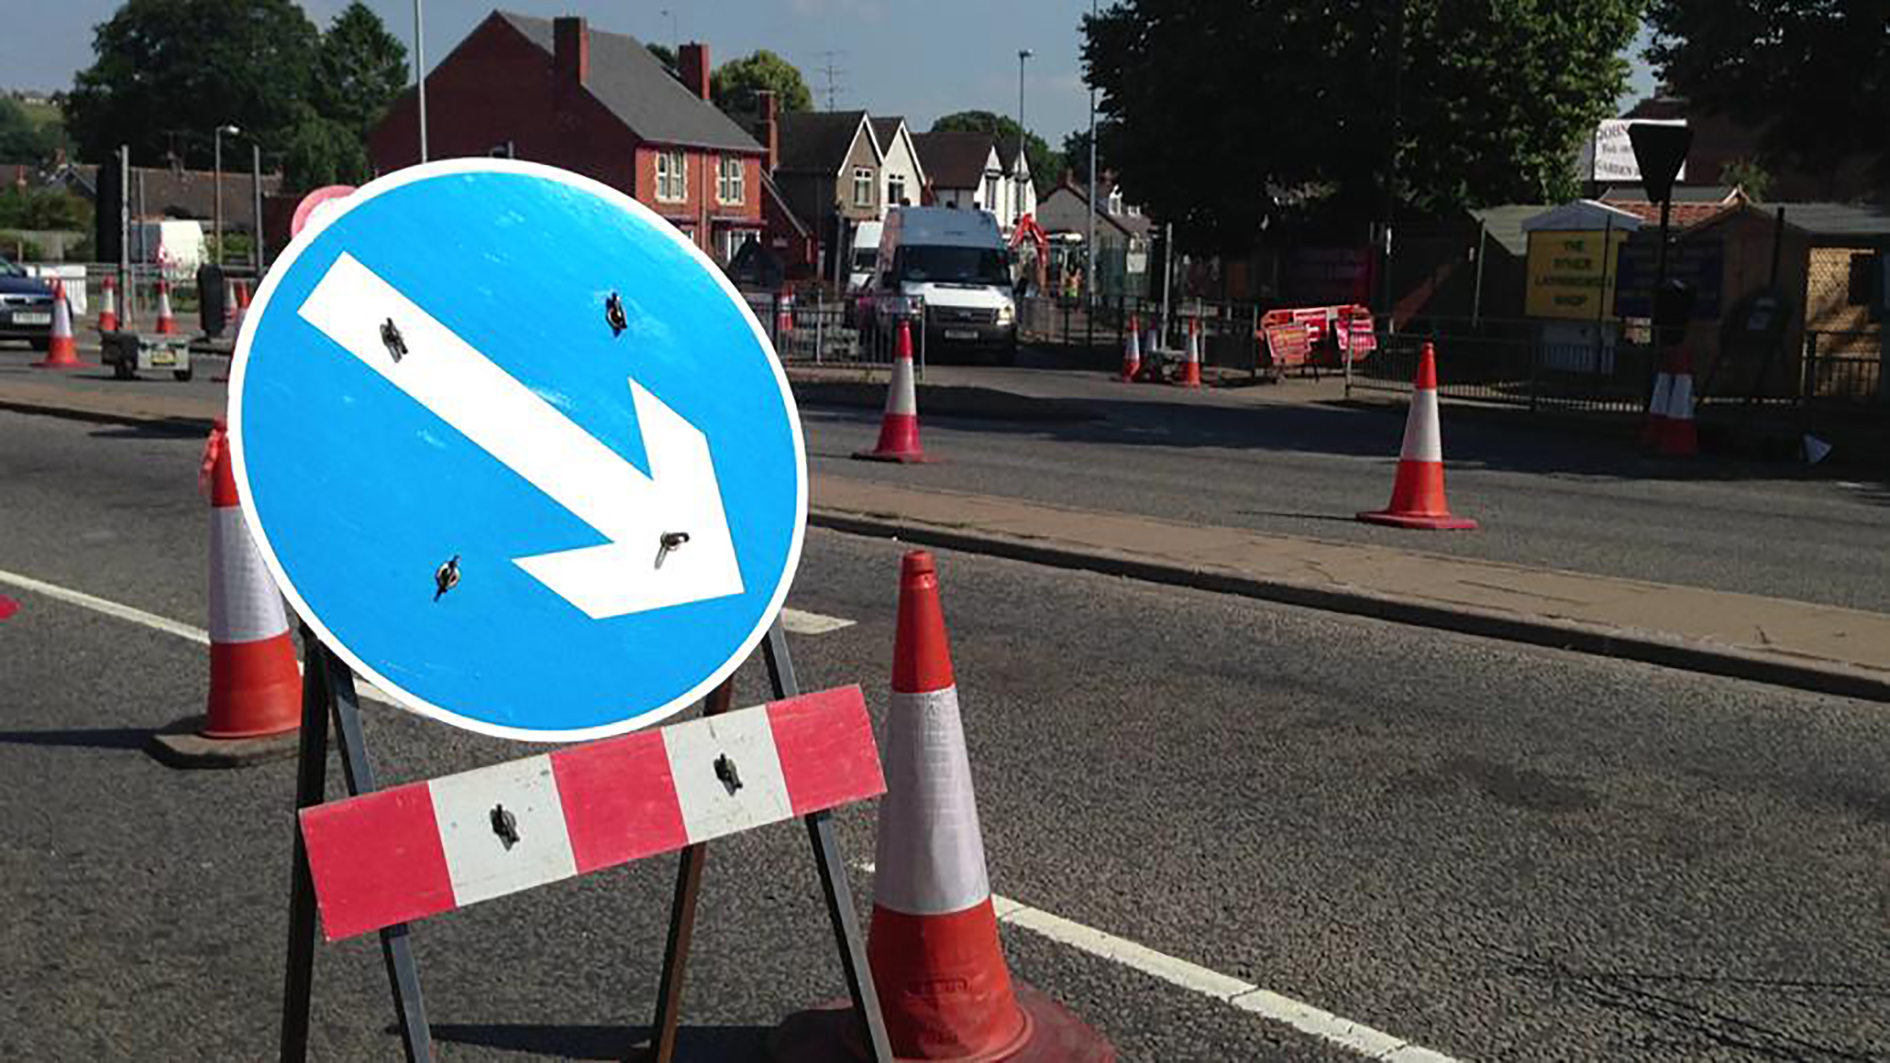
{"x":405,"y":853}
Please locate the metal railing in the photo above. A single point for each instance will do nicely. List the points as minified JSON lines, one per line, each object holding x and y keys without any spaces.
{"x":1507,"y":363}
{"x":812,"y":328}
{"x":1842,"y":367}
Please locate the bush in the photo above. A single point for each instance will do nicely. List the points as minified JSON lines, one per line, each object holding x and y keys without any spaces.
{"x":20,"y":248}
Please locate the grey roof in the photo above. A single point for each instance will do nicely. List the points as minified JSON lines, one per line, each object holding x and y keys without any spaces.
{"x":953,"y":160}
{"x":635,"y":87}
{"x":1504,"y":224}
{"x":817,"y":141}
{"x":1834,"y":219}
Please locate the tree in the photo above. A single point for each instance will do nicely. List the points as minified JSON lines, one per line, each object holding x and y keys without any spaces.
{"x":1749,"y":175}
{"x":1046,"y":166}
{"x":361,"y":68}
{"x":1223,"y":115}
{"x":1813,"y":75}
{"x":735,"y":83}
{"x":168,"y":72}
{"x":667,"y":56}
{"x":21,"y":138}
{"x":322,"y":151}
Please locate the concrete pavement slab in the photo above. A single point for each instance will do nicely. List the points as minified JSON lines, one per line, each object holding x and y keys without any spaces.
{"x":1813,"y":646}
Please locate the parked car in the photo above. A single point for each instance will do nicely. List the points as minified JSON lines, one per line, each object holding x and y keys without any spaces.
{"x":26,"y":307}
{"x":953,"y":266}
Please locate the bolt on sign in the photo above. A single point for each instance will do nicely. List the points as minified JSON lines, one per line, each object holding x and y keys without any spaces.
{"x":1573,"y":274}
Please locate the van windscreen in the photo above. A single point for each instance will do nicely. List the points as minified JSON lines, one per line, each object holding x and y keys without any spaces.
{"x":954,"y":265}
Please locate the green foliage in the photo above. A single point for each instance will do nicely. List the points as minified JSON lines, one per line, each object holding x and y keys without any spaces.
{"x":361,"y":68}
{"x":44,"y":208}
{"x":168,"y":72}
{"x":17,"y":247}
{"x":667,"y":56}
{"x":22,"y":139}
{"x":735,"y":83}
{"x":322,"y":151}
{"x":1046,"y":166}
{"x":1813,"y":74}
{"x":1221,"y":115}
{"x":1747,"y":174}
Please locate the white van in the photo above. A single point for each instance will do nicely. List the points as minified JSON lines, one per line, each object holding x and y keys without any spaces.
{"x":955,"y":264}
{"x":865,"y":255}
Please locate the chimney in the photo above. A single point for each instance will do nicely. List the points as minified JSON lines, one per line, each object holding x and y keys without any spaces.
{"x":692,"y":62}
{"x":770,"y":126}
{"x":571,"y":50}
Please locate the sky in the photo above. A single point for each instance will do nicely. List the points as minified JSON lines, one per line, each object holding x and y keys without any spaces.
{"x":919,"y":58}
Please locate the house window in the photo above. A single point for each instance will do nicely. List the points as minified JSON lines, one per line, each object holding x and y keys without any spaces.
{"x":862,"y":186}
{"x":895,"y":189}
{"x":728,"y":179}
{"x":732,"y":241}
{"x":672,"y":177}
{"x":991,"y":191}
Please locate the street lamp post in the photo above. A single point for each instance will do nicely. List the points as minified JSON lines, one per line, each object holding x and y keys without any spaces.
{"x":420,"y":74}
{"x":1017,"y":198}
{"x":217,"y":177}
{"x":1089,"y":237}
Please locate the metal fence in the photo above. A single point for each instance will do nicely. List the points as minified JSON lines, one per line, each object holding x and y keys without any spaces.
{"x":1506,"y":362}
{"x":812,"y":328}
{"x":1842,"y":367}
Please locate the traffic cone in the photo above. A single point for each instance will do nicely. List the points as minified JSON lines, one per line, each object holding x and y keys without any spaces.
{"x":1417,"y":498}
{"x":1816,"y":450}
{"x":254,"y":705}
{"x":784,"y":315}
{"x":1670,"y":431}
{"x":1132,"y":351}
{"x":62,"y":350}
{"x":933,"y":947}
{"x":166,"y":323}
{"x":1191,"y":368}
{"x":899,"y":428}
{"x":108,"y":306}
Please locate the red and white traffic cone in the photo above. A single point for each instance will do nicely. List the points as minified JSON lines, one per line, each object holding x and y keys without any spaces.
{"x":784,"y":315}
{"x":1191,"y":367}
{"x":1670,"y":430}
{"x":1417,"y":498}
{"x":254,"y":705}
{"x":231,"y":315}
{"x":944,"y":988}
{"x":62,"y":350}
{"x":166,"y":323}
{"x":899,"y":428}
{"x":1131,"y":351}
{"x":108,"y":306}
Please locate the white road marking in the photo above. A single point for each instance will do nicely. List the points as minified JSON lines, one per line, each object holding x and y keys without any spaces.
{"x":1307,"y":1019}
{"x":1246,"y":996}
{"x":800,"y":622}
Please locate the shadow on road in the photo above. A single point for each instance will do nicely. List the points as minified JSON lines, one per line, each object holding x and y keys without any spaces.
{"x":80,"y":738}
{"x":602,"y":1042}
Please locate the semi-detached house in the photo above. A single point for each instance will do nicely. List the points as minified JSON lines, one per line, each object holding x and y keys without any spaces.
{"x":558,"y":92}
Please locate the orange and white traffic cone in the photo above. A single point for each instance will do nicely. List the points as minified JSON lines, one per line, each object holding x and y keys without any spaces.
{"x":1132,"y":351}
{"x":231,"y":314}
{"x":784,"y":315}
{"x":899,"y":428}
{"x":1191,"y":366}
{"x":944,"y":988}
{"x":255,"y":686}
{"x":1417,"y":498}
{"x":166,"y":322}
{"x":1670,"y":430}
{"x":108,"y":306}
{"x":62,"y":349}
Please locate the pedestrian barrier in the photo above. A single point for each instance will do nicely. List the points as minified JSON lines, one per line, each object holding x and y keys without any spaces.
{"x":1417,"y":498}
{"x":933,"y":946}
{"x":254,"y":705}
{"x":899,"y":427}
{"x":62,"y":350}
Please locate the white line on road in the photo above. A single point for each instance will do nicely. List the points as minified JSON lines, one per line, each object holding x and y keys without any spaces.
{"x":1246,"y":996}
{"x":1307,"y":1019}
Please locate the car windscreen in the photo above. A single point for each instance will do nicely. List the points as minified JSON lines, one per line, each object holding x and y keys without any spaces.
{"x":954,"y":265}
{"x":8,"y":269}
{"x":864,"y":258}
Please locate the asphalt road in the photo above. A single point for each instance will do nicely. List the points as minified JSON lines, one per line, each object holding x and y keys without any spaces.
{"x":1239,"y":458}
{"x":1494,"y":851}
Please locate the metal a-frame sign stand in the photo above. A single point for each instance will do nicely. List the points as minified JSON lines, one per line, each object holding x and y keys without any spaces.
{"x":328,"y":693}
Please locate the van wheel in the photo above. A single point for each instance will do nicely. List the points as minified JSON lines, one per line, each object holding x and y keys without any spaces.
{"x":123,"y":370}
{"x":183,"y":374}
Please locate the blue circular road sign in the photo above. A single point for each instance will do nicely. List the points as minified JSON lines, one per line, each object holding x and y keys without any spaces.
{"x":517,"y":451}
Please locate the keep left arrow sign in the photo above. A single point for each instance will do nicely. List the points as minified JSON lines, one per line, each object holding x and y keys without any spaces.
{"x":643,"y":565}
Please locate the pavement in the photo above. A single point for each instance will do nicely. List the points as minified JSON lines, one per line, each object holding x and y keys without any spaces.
{"x":1812,"y":645}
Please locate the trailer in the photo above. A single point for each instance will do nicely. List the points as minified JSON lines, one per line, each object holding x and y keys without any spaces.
{"x":128,"y":353}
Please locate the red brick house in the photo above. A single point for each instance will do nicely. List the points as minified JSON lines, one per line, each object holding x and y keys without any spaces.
{"x":558,"y":92}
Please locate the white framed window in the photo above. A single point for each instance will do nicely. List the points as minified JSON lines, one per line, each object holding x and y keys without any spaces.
{"x":862,"y":186}
{"x":732,"y":241}
{"x":729,"y":179}
{"x":672,"y":176}
{"x":991,"y":191}
{"x":895,"y":189}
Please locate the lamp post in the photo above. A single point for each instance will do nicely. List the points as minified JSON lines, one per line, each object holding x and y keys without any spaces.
{"x":420,"y":74}
{"x":217,"y":177}
{"x":1017,"y":196}
{"x":1089,"y":237}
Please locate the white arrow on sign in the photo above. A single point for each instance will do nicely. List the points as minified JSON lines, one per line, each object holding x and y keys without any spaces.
{"x":631,"y":573}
